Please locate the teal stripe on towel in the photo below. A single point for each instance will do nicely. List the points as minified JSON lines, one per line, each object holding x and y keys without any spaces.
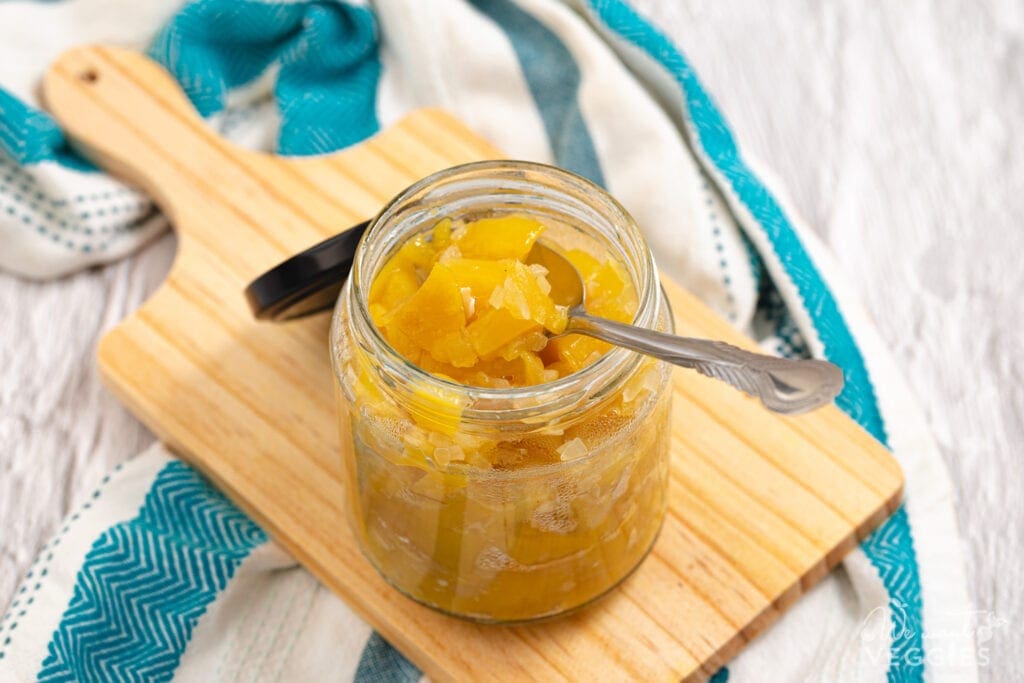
{"x":29,"y":136}
{"x":554,"y":81}
{"x":382,"y":663}
{"x":891,"y":547}
{"x":326,"y":87}
{"x":145,"y":583}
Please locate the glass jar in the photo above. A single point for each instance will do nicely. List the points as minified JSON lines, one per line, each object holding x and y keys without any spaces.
{"x":501,"y":542}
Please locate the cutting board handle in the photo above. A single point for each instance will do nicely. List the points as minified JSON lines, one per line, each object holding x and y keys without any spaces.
{"x":131,"y":117}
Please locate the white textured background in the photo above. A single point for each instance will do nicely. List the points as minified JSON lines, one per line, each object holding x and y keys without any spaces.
{"x":895,"y":128}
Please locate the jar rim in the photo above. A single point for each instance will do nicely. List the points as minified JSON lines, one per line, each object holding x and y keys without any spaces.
{"x":616,"y":364}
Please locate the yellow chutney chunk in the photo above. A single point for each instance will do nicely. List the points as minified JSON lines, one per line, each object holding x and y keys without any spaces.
{"x":462,"y":302}
{"x":498,"y":238}
{"x":434,"y":320}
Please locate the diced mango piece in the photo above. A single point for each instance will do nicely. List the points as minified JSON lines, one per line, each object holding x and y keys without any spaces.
{"x":396,"y":282}
{"x":523,"y":297}
{"x":403,"y":343}
{"x":362,"y":377}
{"x":447,"y":370}
{"x":531,"y":342}
{"x":479,"y":275}
{"x":441,"y":235}
{"x":573,"y":351}
{"x":609,"y":291}
{"x":434,"y":318}
{"x":492,"y":331}
{"x":533,"y":368}
{"x":505,"y":237}
{"x":437,"y":409}
{"x":614,"y":310}
{"x":499,"y":372}
{"x":586,"y":264}
{"x":380,"y":314}
{"x":608,"y":282}
{"x":418,"y":253}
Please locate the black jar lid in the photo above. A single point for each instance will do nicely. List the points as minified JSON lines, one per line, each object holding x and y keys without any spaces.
{"x":308,"y":282}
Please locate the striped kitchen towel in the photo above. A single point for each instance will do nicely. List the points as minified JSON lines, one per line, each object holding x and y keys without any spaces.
{"x":157,"y":575}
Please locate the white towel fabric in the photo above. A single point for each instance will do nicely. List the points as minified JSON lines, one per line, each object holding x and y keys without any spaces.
{"x":135,"y":586}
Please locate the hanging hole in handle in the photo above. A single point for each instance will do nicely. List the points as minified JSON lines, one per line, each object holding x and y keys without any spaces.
{"x":90,"y":75}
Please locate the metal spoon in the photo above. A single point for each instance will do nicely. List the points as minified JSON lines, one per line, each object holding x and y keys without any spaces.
{"x":783,"y":385}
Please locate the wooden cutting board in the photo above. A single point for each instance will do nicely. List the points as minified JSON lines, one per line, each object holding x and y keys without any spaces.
{"x":761,"y":506}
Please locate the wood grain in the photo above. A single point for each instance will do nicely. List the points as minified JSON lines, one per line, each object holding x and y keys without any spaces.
{"x":761,"y":506}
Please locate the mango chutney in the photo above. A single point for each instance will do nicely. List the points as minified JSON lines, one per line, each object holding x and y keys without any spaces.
{"x":497,"y":469}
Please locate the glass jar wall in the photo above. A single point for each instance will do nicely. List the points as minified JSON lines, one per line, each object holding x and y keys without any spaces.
{"x":443,"y":487}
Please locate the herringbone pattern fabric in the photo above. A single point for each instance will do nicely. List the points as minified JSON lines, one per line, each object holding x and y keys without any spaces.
{"x":145,"y":583}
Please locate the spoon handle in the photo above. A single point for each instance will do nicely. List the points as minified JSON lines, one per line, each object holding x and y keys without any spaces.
{"x":783,"y":385}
